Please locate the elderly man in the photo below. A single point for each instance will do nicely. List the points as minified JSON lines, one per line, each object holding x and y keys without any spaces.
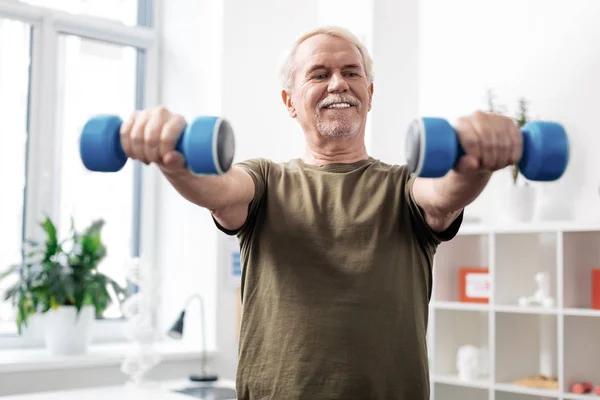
{"x":337,"y":246}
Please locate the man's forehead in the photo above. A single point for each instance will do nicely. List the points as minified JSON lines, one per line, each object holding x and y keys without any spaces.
{"x":327,"y":50}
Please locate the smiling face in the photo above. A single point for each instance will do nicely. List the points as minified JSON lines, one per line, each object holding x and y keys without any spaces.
{"x":331,"y":95}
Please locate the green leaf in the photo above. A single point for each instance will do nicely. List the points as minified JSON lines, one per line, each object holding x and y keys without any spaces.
{"x":35,"y":302}
{"x":7,"y":273}
{"x":95,"y":227}
{"x":51,"y":238}
{"x":12,"y":292}
{"x":120,"y":292}
{"x":23,"y":309}
{"x":101,"y":300}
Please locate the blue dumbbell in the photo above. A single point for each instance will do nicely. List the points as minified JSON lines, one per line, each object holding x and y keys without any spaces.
{"x":207,"y":144}
{"x":433,"y":149}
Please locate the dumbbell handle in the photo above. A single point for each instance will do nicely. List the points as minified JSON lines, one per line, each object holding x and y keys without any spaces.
{"x":207,"y":144}
{"x":433,"y":148}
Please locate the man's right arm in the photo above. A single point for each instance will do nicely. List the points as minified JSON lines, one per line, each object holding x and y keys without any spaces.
{"x":151,"y":135}
{"x":227,"y":196}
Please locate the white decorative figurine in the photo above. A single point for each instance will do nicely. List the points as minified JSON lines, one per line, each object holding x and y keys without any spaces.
{"x":467,"y":362}
{"x":541,"y":297}
{"x":138,"y":311}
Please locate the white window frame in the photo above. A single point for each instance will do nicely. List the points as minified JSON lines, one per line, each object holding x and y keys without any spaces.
{"x":48,"y":24}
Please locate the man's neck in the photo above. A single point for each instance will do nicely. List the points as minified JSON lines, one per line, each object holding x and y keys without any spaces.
{"x":339,"y":150}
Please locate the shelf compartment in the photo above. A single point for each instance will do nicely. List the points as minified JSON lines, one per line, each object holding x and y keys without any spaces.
{"x":581,"y":255}
{"x":581,"y":351}
{"x":510,"y":392}
{"x":526,"y":310}
{"x":450,"y":391}
{"x":526,"y":346}
{"x":462,"y":251}
{"x":518,"y":259}
{"x":583,"y":312}
{"x":457,"y":305}
{"x":573,"y":396}
{"x":456,"y":381}
{"x":454,"y":329}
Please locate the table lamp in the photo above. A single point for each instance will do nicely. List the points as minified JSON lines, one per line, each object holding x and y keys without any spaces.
{"x":176,"y":332}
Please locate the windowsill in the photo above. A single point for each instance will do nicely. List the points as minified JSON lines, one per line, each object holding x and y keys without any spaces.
{"x":39,"y":359}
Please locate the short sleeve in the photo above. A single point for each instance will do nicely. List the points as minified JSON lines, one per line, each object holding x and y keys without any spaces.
{"x":258,"y":170}
{"x":417,"y":216}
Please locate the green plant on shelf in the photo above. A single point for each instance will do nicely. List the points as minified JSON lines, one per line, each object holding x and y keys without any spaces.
{"x":62,"y":273}
{"x":492,"y":105}
{"x":521,"y":118}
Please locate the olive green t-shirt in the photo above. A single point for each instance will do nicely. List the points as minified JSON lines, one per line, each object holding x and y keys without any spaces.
{"x":336,"y":281}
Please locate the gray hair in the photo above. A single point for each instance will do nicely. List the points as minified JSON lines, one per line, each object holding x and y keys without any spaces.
{"x":286,"y":71}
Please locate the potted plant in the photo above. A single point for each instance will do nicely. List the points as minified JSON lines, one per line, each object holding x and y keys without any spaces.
{"x":521,"y":198}
{"x":517,"y":202}
{"x":521,"y":119}
{"x":61,"y":281}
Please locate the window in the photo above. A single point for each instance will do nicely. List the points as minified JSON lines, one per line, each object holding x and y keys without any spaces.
{"x":62,"y":62}
{"x":14,"y":91}
{"x":125,"y":11}
{"x":96,"y":76}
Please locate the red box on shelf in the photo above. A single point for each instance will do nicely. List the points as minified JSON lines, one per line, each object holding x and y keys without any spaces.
{"x":596,"y":289}
{"x":474,"y":284}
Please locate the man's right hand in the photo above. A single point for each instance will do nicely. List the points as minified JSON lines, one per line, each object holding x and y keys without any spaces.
{"x":151,"y":135}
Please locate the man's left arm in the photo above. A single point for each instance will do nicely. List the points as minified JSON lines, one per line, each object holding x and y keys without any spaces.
{"x":491,"y":142}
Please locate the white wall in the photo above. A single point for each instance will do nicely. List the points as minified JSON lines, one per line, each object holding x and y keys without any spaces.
{"x":544,"y":50}
{"x":395,"y":37}
{"x":191,"y":65}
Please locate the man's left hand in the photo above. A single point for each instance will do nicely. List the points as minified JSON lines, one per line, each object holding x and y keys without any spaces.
{"x":490,"y":141}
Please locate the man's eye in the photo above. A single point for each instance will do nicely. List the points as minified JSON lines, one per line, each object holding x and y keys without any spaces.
{"x":351,"y":74}
{"x":320,"y":76}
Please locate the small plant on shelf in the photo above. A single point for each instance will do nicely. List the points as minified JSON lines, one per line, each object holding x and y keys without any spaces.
{"x":63,"y":273}
{"x":521,"y":119}
{"x":490,"y":99}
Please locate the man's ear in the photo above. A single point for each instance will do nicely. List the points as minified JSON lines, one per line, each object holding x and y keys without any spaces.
{"x":287,"y":100}
{"x":371,"y":88}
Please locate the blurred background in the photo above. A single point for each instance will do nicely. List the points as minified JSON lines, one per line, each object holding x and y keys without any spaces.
{"x":63,"y":61}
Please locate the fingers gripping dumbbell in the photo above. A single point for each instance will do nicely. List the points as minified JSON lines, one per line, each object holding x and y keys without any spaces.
{"x":207,"y":144}
{"x":433,"y":149}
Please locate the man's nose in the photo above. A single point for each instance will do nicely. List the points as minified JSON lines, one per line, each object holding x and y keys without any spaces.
{"x":337,"y":83}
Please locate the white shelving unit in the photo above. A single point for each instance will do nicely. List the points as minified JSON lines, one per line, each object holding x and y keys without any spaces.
{"x":562,"y":341}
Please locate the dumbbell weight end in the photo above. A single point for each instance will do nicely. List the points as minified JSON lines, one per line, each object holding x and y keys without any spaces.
{"x":545,"y":151}
{"x":207,"y":144}
{"x":433,"y":149}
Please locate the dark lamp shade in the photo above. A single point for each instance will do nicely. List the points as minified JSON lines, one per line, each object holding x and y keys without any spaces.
{"x":176,"y":330}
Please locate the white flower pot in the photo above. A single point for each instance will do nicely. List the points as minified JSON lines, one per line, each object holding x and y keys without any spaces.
{"x":66,"y":332}
{"x":555,"y":202}
{"x":33,"y":332}
{"x":517,"y":204}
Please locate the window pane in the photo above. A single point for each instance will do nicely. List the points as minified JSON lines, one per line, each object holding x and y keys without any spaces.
{"x":125,"y":11}
{"x":97,"y":78}
{"x":14,"y":88}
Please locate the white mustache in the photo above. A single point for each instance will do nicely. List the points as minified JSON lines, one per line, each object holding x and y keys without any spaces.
{"x":333,"y":99}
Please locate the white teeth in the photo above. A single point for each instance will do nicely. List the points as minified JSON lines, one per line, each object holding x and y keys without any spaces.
{"x":339,"y":105}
